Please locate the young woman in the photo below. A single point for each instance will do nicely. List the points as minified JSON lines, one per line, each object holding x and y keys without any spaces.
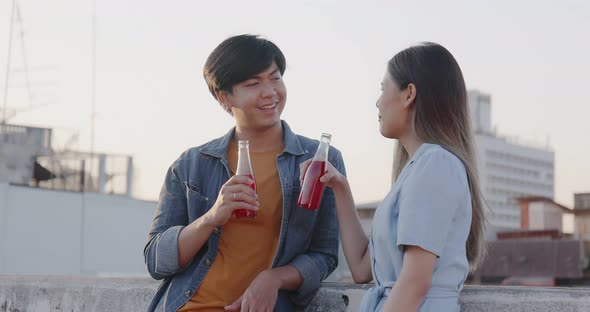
{"x":429,"y":228}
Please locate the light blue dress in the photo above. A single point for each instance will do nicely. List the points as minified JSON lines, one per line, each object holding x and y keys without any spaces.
{"x":429,"y":206}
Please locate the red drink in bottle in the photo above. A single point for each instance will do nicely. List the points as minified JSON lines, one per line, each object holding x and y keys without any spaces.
{"x":245,"y":169}
{"x":312,"y":189}
{"x":247,"y":213}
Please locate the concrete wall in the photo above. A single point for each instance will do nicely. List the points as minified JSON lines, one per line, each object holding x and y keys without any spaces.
{"x":49,"y":232}
{"x":582,"y":227}
{"x":42,"y":293}
{"x":545,"y":216}
{"x":536,"y":216}
{"x":39,"y":238}
{"x":553,"y":217}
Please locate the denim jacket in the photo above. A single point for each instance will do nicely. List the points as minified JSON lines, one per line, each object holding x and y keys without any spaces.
{"x":308,"y":239}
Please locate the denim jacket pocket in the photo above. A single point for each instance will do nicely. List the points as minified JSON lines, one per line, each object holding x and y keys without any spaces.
{"x":197,"y":203}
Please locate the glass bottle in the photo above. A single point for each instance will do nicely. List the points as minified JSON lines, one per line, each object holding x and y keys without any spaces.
{"x":245,"y":169}
{"x":312,"y":189}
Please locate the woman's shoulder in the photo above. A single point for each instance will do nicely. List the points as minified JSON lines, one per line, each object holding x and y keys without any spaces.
{"x":435,"y":154}
{"x":434,"y":161}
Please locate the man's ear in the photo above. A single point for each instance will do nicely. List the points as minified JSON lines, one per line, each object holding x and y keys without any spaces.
{"x":223,"y":99}
{"x":410,"y":95}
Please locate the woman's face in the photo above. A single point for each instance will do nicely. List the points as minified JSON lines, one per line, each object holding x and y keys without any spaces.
{"x":394,"y":113}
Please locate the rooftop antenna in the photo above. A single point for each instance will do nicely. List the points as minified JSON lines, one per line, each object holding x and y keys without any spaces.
{"x":10,"y":31}
{"x":93,"y":80}
{"x":92,"y":125}
{"x":7,"y":113}
{"x":24,"y":56}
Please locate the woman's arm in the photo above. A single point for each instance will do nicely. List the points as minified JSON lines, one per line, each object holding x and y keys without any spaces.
{"x":355,"y":242}
{"x":414,"y":281}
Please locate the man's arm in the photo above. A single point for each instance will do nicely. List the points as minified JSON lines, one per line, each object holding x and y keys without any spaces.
{"x":194,"y":236}
{"x":261,"y":295}
{"x":170,"y":217}
{"x":171,"y":243}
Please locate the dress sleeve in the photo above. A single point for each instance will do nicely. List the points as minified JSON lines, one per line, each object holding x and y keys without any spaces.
{"x":429,"y":200}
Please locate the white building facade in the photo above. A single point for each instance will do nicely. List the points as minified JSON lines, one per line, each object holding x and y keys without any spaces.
{"x":507,"y":168}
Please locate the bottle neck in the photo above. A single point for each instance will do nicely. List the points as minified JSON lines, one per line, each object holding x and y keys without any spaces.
{"x":244,"y":165}
{"x":322,"y":153}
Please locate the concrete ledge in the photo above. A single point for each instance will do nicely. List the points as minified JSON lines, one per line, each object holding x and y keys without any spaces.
{"x":73,"y":294}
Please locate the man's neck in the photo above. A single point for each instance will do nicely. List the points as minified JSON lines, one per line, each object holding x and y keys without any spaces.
{"x":262,"y":140}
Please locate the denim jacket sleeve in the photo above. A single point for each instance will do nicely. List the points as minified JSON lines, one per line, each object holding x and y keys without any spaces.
{"x":322,"y":256}
{"x":170,"y":217}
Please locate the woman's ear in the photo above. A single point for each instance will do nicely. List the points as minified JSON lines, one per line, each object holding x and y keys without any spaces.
{"x":410,"y":95}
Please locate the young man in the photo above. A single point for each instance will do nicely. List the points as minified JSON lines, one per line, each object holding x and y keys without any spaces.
{"x":209,"y":259}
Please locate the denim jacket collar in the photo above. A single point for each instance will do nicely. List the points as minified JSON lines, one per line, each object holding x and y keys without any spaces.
{"x":218,"y":148}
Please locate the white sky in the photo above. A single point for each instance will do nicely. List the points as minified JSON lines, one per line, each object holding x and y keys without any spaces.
{"x":533,"y":57}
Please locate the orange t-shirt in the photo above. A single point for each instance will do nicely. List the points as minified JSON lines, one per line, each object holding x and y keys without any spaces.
{"x":247,"y":246}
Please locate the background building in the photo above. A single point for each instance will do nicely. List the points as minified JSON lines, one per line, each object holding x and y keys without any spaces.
{"x":66,"y":212}
{"x":539,"y":252}
{"x":508,"y":168}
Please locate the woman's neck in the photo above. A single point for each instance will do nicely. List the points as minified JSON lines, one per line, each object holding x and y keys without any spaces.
{"x":411,"y":144}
